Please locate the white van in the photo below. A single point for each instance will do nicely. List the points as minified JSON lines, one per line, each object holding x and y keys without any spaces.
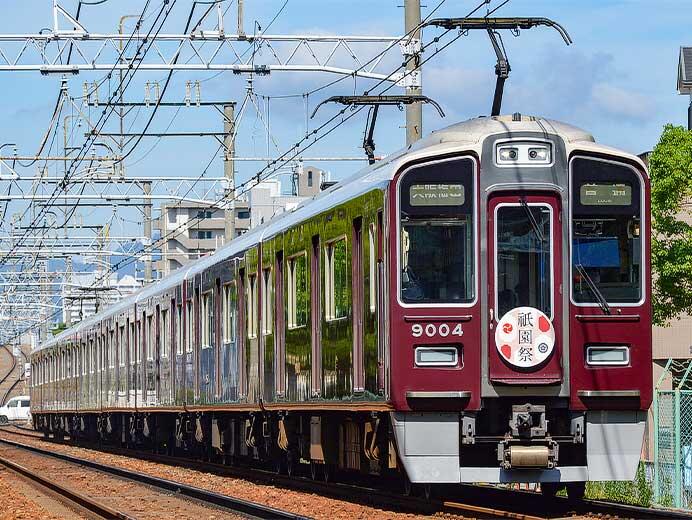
{"x":16,"y":409}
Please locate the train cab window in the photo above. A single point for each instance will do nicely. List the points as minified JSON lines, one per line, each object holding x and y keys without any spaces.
{"x":436,"y":238}
{"x":336,"y":280}
{"x":606,"y":233}
{"x":297,"y":293}
{"x":523,"y":272}
{"x":267,"y":302}
{"x":251,"y":307}
{"x":164,"y":333}
{"x":207,"y":320}
{"x":229,"y":312}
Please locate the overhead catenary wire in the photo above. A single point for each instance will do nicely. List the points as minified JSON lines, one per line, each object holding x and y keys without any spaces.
{"x":296,"y":150}
{"x":105,"y":114}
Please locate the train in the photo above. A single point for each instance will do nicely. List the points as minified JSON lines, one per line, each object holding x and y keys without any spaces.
{"x":475,"y":307}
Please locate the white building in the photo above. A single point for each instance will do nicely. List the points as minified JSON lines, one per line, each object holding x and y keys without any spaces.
{"x":195,"y":230}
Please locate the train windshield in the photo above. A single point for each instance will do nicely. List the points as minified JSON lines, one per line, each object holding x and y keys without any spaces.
{"x":523,"y":256}
{"x":606,"y":232}
{"x":436,"y":233}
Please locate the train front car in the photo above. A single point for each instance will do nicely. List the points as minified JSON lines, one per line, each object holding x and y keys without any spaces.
{"x":520,"y":336}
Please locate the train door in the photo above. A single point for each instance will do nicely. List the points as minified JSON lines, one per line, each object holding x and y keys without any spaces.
{"x":525,"y":289}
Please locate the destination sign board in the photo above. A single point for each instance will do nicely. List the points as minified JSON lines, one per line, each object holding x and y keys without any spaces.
{"x":605,"y":195}
{"x":436,"y":195}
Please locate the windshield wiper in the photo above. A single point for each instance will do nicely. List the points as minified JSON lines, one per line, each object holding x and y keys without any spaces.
{"x":532,"y":220}
{"x":603,"y":304}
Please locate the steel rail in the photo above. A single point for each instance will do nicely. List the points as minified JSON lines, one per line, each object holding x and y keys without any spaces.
{"x":557,"y":506}
{"x":66,"y":495}
{"x":251,"y":509}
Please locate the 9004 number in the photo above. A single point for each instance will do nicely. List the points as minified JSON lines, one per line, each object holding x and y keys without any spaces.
{"x":431,"y":330}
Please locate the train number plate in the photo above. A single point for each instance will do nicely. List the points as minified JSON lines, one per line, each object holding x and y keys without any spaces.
{"x":432,"y":330}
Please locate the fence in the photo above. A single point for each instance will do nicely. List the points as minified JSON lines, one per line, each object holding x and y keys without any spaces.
{"x":672,"y":479}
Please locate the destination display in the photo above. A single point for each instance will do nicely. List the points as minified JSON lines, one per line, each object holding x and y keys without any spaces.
{"x":605,"y":195}
{"x":436,"y":195}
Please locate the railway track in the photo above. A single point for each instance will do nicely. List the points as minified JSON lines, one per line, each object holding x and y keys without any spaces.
{"x":68,"y":497}
{"x":240,"y":508}
{"x":465,"y":500}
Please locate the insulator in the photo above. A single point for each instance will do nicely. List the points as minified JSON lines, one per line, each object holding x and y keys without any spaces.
{"x":157,"y":92}
{"x":198,"y":93}
{"x":187,"y":93}
{"x":147,"y":93}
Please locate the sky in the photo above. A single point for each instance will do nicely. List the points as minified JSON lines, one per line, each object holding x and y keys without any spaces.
{"x":617,"y":80}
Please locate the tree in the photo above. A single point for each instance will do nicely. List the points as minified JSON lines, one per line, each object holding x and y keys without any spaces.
{"x":670,"y":167}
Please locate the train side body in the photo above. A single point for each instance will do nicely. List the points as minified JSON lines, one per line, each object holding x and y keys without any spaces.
{"x":475,"y":307}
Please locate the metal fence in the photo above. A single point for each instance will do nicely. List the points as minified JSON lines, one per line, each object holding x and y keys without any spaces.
{"x":672,"y":478}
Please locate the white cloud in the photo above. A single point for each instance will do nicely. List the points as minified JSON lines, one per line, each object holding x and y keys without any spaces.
{"x":621,"y":102}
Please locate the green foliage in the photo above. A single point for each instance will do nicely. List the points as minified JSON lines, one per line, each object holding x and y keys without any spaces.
{"x":670,"y":166}
{"x":638,"y":492}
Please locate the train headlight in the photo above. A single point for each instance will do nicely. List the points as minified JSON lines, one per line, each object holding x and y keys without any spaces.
{"x":508,"y":154}
{"x":607,"y":355}
{"x":437,"y":356}
{"x":541,"y":154}
{"x":526,"y":153}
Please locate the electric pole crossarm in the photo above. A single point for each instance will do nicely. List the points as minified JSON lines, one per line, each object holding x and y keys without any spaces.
{"x":345,"y":55}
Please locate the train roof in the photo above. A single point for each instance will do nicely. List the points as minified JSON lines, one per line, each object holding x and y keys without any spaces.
{"x":378,"y":175}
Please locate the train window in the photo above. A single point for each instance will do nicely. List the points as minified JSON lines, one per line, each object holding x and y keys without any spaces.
{"x":297,"y":293}
{"x":336,"y":280}
{"x":150,"y":338}
{"x":436,"y":240}
{"x":523,"y":252}
{"x":606,"y":232}
{"x":121,"y":346}
{"x":111,"y":349}
{"x":179,"y":329}
{"x":164,"y":334}
{"x":252,"y":307}
{"x":131,"y":344}
{"x":372,"y":262}
{"x":207,"y":319}
{"x":189,"y":329}
{"x":229,"y":312}
{"x":267,"y":302}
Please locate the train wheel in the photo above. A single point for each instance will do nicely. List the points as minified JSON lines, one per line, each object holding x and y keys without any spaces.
{"x":427,"y":491}
{"x":290,"y":464}
{"x":279,"y":464}
{"x":550,"y":489}
{"x":407,"y":486}
{"x":327,"y":472}
{"x":576,"y":490}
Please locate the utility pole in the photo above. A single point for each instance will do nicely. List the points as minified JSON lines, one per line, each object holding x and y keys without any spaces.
{"x":228,"y":166}
{"x":414,"y":111}
{"x":67,"y":301}
{"x":146,"y":188}
{"x":241,"y":31}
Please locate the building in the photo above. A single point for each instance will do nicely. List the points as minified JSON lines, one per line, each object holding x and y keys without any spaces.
{"x":83,"y":297}
{"x":206,"y":233}
{"x":184,"y":242}
{"x":685,"y":79}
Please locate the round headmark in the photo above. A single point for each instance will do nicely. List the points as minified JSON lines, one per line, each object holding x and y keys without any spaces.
{"x":525,"y":337}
